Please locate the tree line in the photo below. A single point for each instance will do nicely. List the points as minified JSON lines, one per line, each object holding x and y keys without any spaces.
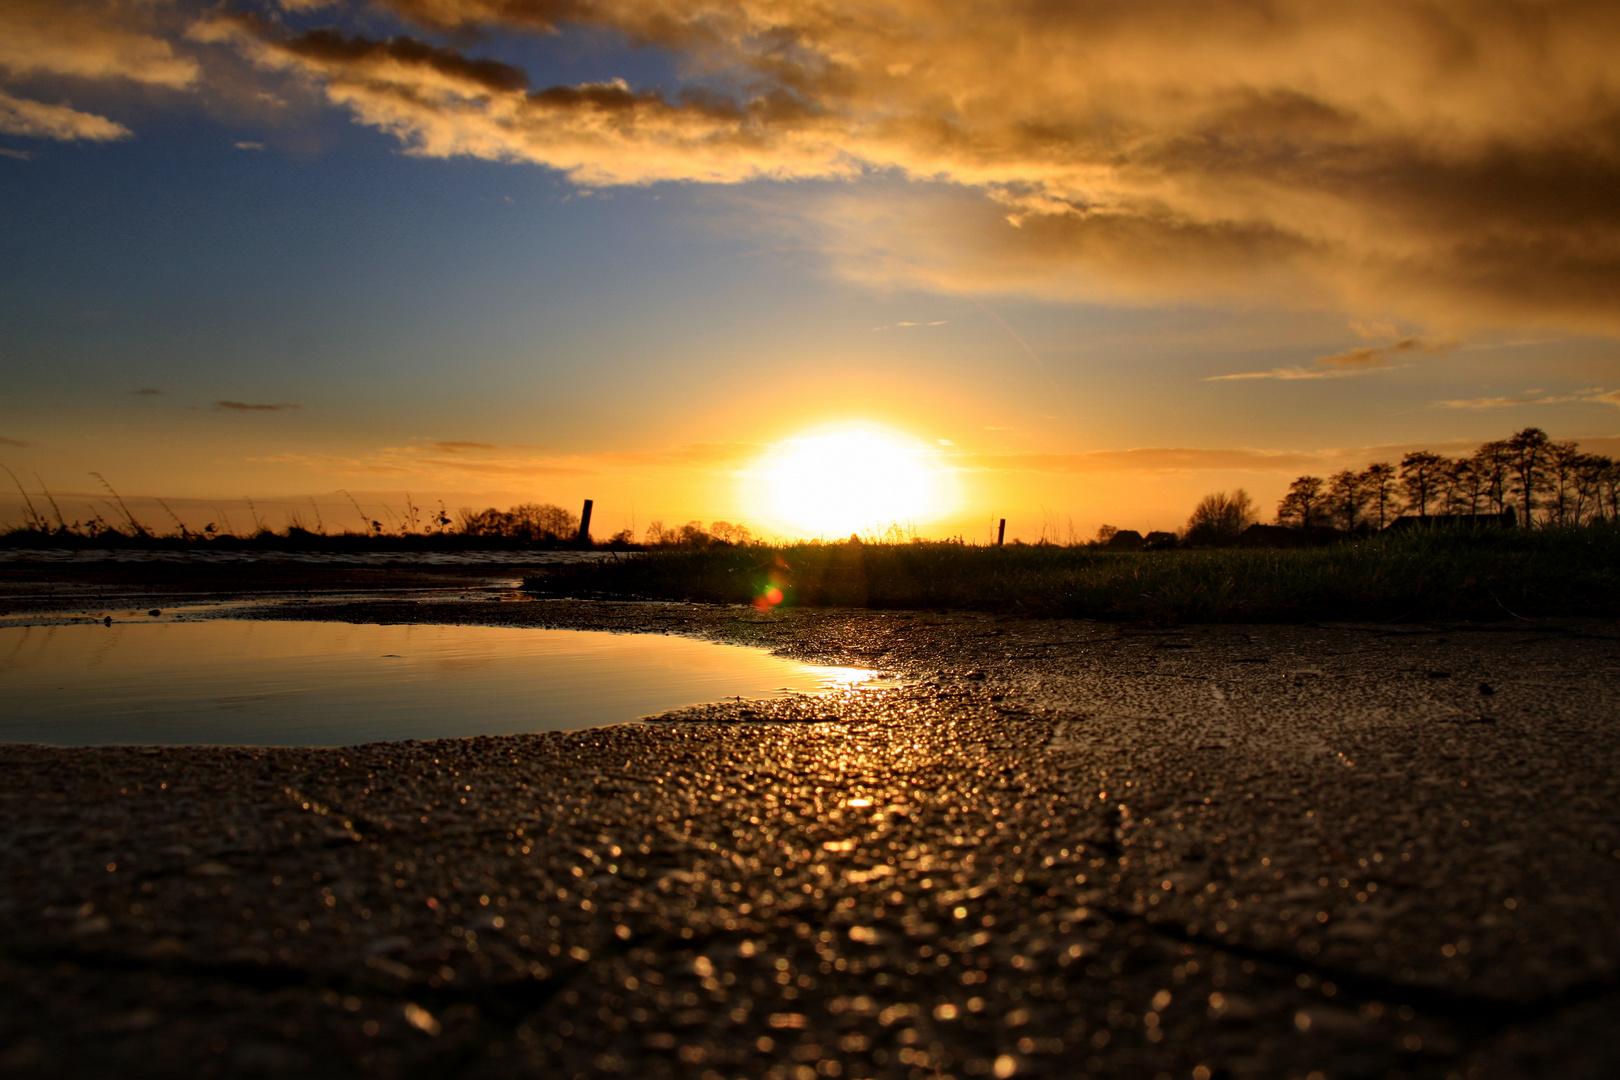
{"x":1538,"y":480}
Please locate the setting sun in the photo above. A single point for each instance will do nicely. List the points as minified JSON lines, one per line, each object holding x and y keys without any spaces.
{"x":853,"y":481}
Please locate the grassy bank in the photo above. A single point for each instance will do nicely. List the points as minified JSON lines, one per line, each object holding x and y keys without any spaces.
{"x":1434,"y":575}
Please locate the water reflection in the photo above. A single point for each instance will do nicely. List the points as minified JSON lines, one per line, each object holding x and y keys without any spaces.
{"x":335,"y":684}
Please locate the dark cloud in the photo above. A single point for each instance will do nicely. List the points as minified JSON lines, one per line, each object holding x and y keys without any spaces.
{"x":339,"y":50}
{"x":457,"y":446}
{"x":1449,"y":160}
{"x":146,"y":391}
{"x":19,"y":443}
{"x":243,"y":406}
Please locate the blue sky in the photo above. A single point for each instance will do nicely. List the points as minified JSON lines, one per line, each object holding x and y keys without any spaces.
{"x":420,"y":283}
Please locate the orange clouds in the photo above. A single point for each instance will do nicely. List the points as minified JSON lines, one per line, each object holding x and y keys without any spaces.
{"x":92,"y":39}
{"x":35,"y":119}
{"x":1451,"y":159}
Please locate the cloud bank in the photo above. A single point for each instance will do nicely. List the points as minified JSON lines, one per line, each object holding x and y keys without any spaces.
{"x":1449,"y":159}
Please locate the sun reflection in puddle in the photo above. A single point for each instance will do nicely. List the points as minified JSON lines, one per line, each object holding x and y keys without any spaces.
{"x":272,"y":683}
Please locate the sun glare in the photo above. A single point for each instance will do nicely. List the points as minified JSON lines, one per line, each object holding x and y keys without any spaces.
{"x":856,"y":481}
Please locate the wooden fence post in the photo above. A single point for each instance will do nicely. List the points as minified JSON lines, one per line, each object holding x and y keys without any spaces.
{"x":1001,"y":533}
{"x":584,"y":539}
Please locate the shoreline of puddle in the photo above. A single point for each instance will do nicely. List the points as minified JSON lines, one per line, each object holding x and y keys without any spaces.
{"x":193,"y":675}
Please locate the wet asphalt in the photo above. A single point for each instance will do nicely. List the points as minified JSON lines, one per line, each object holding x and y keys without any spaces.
{"x":1045,"y":848}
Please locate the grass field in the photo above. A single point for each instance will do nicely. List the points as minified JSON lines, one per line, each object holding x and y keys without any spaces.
{"x":1488,"y":575}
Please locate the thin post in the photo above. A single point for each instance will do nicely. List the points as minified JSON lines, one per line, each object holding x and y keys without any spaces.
{"x":584,"y":538}
{"x":1001,"y":533}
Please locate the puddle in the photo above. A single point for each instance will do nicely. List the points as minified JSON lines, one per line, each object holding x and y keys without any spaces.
{"x":246,"y":683}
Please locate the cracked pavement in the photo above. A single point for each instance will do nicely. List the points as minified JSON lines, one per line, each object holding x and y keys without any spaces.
{"x":1050,"y":848}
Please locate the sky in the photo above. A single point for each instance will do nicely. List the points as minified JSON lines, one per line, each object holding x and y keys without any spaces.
{"x":1080,"y":262}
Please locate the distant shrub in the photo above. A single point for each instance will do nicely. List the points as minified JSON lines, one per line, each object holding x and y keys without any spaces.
{"x":529,"y":522}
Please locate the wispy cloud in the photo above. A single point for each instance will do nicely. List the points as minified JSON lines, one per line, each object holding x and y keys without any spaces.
{"x":456,"y":446}
{"x":20,"y":155}
{"x":1144,"y":459}
{"x":36,"y":119}
{"x":146,"y":391}
{"x":1358,"y":361}
{"x":902,"y":325}
{"x":451,"y":461}
{"x":243,"y":406}
{"x":249,"y":145}
{"x":1611,"y":397}
{"x":1294,"y":373}
{"x":4,"y":441}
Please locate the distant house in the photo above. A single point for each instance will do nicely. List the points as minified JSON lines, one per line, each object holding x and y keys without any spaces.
{"x":1126,"y":540}
{"x":1507,"y":519}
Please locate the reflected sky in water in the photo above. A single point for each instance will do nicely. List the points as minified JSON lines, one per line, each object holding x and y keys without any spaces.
{"x":334,"y":684}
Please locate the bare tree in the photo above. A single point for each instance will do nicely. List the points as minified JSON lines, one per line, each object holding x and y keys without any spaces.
{"x":1609,"y":497}
{"x":1492,"y":462}
{"x":527,"y":521}
{"x":1588,"y":487}
{"x":1564,"y":464}
{"x":725,"y":532}
{"x":1527,"y":464}
{"x":1421,"y":474}
{"x":1462,"y":484}
{"x":1346,"y":498}
{"x":1220,"y":518}
{"x":1379,"y":481}
{"x":1303,"y":503}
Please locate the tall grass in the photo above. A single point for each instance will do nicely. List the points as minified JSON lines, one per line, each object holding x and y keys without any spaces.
{"x":1440,"y":574}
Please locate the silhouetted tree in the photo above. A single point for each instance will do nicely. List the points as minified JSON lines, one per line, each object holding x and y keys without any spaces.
{"x":1609,"y":491}
{"x":1378,"y":480}
{"x":1346,"y":498}
{"x":1528,"y":466}
{"x":1589,"y":486}
{"x":1421,"y":473}
{"x":1303,"y":503}
{"x":1219,"y":518}
{"x":1492,"y":461}
{"x":724,"y":532}
{"x":1461,"y":486}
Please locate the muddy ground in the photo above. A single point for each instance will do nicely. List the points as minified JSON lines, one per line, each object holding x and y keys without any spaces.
{"x":1055,"y":849}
